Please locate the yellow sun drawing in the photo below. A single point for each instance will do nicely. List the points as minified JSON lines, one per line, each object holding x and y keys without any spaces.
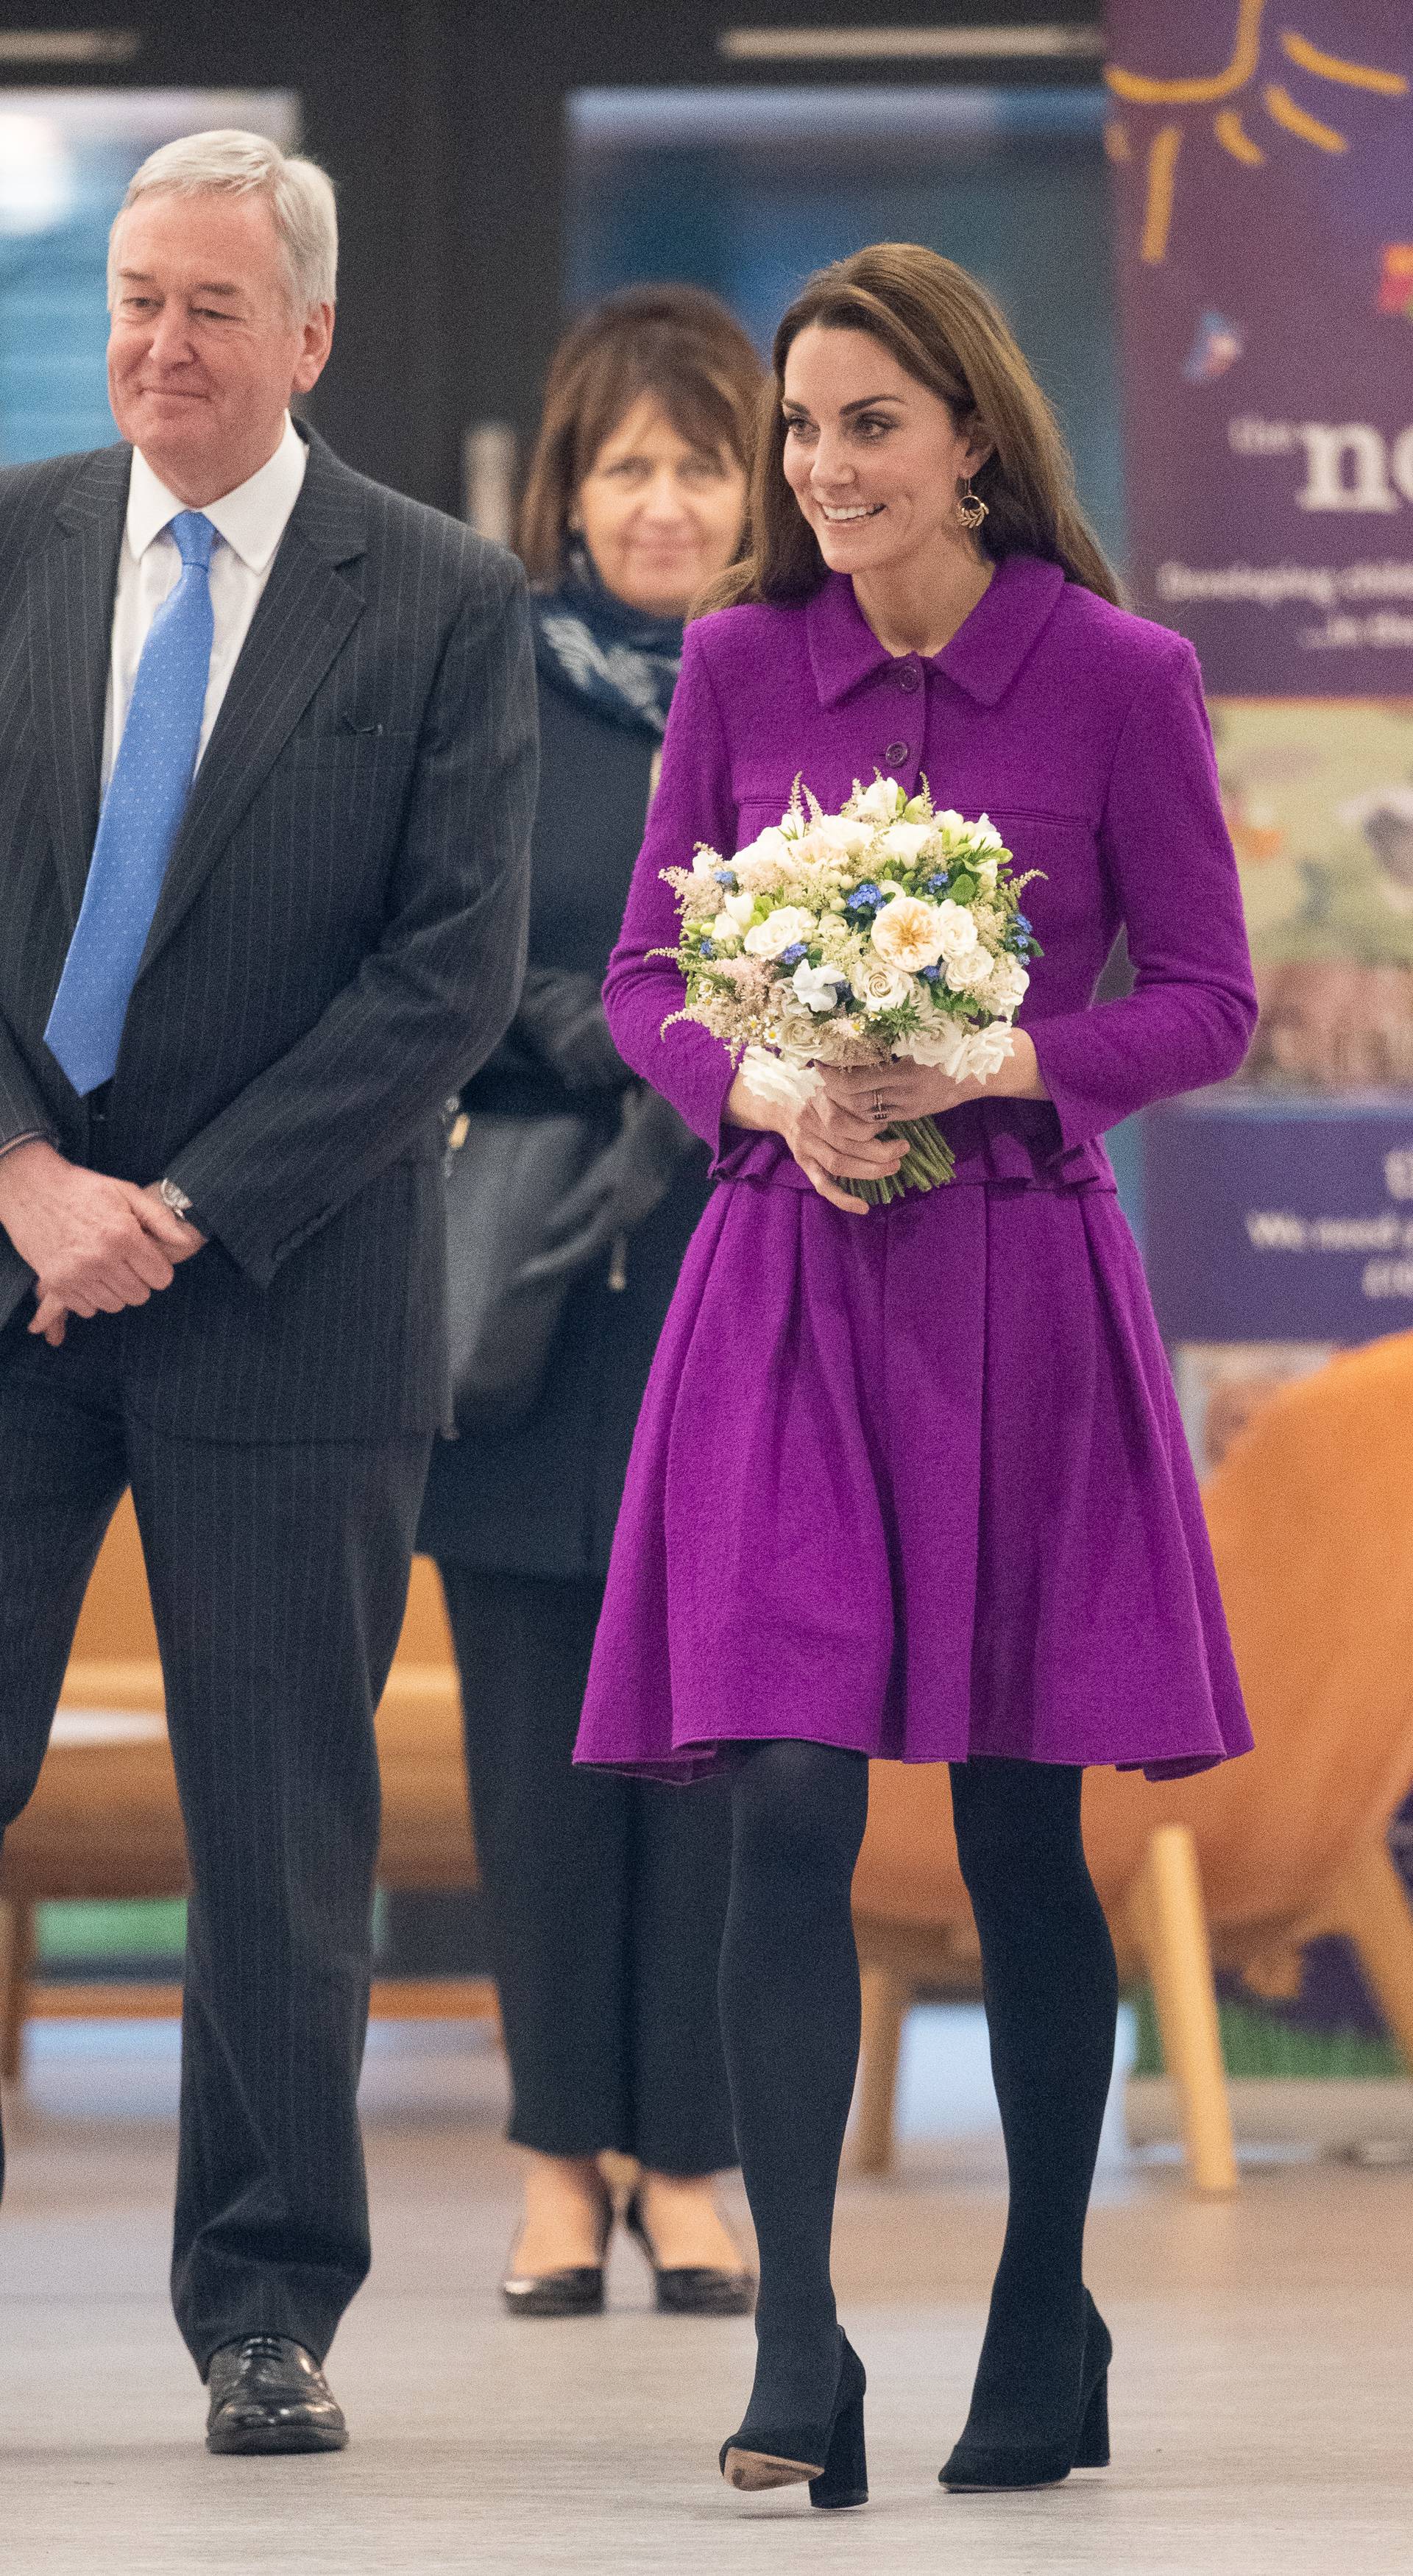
{"x":1203,"y":91}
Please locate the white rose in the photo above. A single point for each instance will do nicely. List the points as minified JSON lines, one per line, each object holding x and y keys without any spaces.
{"x":772,"y":843}
{"x":986,"y":1050}
{"x":880,"y":987}
{"x":878,"y":803}
{"x":817,"y":986}
{"x":907,"y":840}
{"x":778,"y":1083}
{"x":907,"y":932}
{"x":956,"y":931}
{"x":841,"y":832}
{"x":779,"y":931}
{"x":1006,"y":986}
{"x":970,"y":974}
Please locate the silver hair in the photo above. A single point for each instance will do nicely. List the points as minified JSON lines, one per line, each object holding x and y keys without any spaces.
{"x":231,"y":163}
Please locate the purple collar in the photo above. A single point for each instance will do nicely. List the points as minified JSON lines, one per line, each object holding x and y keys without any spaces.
{"x":984,"y":655}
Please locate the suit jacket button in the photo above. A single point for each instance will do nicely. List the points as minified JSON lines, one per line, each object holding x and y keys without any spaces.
{"x":896,"y":754}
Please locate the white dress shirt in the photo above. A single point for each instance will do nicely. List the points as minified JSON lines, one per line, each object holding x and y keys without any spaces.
{"x":249,"y":524}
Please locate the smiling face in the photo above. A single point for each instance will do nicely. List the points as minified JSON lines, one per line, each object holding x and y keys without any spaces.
{"x":204,"y":350}
{"x":873,"y":458}
{"x":660,"y":517}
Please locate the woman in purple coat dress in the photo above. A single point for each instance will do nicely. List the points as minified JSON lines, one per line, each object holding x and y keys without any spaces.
{"x":910,"y":1480}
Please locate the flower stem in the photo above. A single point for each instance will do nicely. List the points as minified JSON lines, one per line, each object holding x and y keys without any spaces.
{"x":928,"y":1164}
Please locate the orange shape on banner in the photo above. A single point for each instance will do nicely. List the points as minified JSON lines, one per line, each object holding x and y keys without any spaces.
{"x":1144,"y":89}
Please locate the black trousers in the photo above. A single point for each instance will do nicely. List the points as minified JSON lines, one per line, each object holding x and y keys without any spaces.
{"x":605,"y":1897}
{"x":278,"y":1576}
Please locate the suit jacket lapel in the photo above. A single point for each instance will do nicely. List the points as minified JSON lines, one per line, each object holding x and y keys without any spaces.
{"x":305,"y":614}
{"x":71,"y":586}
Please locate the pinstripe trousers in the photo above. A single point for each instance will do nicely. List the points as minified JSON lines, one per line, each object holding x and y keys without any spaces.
{"x":278,"y":1575}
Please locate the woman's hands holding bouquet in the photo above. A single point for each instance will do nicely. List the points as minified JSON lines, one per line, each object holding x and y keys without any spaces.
{"x":837,"y":1133}
{"x":910,"y":1090}
{"x":832,"y":1140}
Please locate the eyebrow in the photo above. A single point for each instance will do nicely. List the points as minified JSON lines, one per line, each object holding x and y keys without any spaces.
{"x":205,"y":286}
{"x":868,"y":403}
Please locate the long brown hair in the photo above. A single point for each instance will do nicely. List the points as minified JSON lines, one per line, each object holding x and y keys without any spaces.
{"x":944,"y":329}
{"x":676,"y":343}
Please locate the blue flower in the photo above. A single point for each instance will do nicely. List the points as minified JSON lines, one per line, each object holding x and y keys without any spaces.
{"x":1022,"y":923}
{"x":863,"y":896}
{"x":791,"y":956}
{"x":726,"y":876}
{"x":938,"y":884}
{"x":707,"y":948}
{"x":930,"y":974}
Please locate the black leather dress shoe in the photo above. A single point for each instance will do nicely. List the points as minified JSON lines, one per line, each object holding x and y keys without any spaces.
{"x":269,"y":2394}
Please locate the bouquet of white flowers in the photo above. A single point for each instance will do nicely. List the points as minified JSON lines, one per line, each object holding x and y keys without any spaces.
{"x":884,"y":930}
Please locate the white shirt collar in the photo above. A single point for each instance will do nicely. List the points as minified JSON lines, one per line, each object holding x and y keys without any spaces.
{"x":252,"y":519}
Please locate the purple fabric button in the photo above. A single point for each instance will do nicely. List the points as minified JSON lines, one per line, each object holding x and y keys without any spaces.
{"x":910,"y":677}
{"x":896,"y":754}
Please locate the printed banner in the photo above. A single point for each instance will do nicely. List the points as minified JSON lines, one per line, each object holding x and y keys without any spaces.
{"x":1262,"y":160}
{"x":1297,"y":1243}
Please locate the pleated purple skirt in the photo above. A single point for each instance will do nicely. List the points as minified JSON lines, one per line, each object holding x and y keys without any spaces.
{"x":915,"y":1485}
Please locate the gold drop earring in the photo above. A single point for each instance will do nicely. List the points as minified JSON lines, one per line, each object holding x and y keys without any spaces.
{"x":971,"y":509}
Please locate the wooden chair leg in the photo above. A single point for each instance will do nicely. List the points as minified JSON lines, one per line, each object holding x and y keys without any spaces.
{"x":1368,"y":1903}
{"x":16,"y":1961}
{"x":886,"y":1997}
{"x":1171,"y":1926}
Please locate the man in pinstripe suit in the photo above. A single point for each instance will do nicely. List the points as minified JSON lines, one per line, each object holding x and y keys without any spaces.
{"x":267,"y":766}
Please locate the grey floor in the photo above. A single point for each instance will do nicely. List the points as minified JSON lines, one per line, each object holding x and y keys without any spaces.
{"x":1261,"y":2394}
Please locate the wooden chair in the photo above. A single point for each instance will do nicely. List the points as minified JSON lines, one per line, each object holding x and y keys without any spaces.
{"x":104,"y":1821}
{"x":1311,"y":1518}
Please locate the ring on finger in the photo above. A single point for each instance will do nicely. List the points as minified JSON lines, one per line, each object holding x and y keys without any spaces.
{"x":878,"y":1106}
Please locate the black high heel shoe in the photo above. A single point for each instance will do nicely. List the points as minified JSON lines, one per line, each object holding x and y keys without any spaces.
{"x":975,"y":2464}
{"x":830,"y":2455}
{"x":690,"y":2289}
{"x":576,"y":2291}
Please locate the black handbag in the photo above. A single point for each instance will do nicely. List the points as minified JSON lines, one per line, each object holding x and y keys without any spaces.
{"x":505,"y":1177}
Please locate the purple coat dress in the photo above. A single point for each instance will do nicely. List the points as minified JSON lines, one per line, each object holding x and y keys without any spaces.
{"x":915,"y":1483}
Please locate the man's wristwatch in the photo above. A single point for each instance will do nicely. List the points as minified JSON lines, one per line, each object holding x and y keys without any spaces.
{"x":176,"y":1199}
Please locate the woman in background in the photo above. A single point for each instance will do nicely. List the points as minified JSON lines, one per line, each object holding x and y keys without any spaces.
{"x":605,"y":1898}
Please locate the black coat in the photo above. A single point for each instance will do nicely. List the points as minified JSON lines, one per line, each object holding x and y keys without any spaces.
{"x":543,"y":1498}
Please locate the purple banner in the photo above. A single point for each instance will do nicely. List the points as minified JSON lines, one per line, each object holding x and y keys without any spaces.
{"x":1263,"y":160}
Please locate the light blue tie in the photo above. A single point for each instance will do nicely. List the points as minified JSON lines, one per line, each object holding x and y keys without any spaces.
{"x":142,"y":811}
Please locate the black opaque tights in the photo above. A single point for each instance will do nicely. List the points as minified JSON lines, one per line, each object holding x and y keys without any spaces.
{"x":790,"y":2021}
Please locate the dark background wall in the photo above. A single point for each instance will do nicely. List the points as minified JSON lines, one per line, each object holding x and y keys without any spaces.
{"x":443,"y":123}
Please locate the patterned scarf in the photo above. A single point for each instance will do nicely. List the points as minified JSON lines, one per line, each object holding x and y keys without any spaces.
{"x":621,"y":662}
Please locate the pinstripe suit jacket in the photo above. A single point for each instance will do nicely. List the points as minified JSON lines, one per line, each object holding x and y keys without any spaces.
{"x":338,"y":944}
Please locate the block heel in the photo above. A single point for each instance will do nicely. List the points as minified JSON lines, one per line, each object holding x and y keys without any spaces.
{"x":977,"y":2463}
{"x":1092,"y":2448}
{"x":845,"y":2478}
